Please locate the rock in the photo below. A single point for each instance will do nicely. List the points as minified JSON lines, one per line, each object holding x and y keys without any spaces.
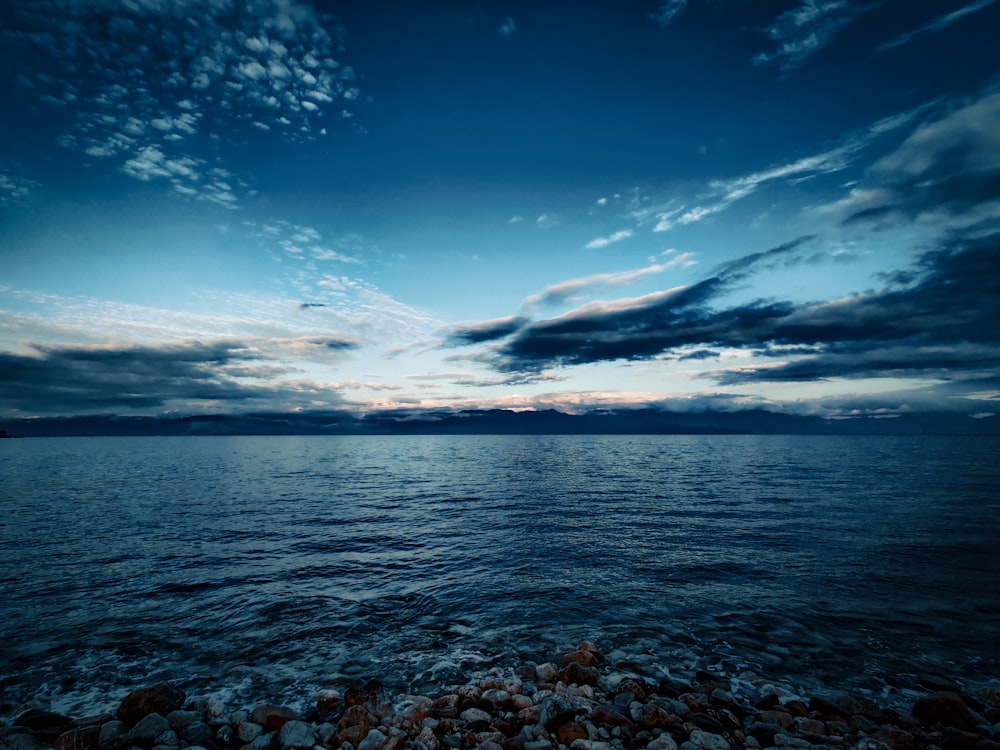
{"x":167,"y":739}
{"x":590,"y":745}
{"x":327,"y":701}
{"x":473,"y":715}
{"x":575,"y":674}
{"x":22,"y":741}
{"x":295,"y":735}
{"x":611,"y":716}
{"x":663,"y":742}
{"x":145,"y":732}
{"x":161,"y":699}
{"x":489,"y":745}
{"x":546,"y":672}
{"x":46,"y":725}
{"x":372,"y":741}
{"x":708,"y":741}
{"x":555,"y":711}
{"x":538,"y":745}
{"x":200,"y":734}
{"x":247,"y":731}
{"x":272,"y":717}
{"x":81,"y":738}
{"x":946,"y":709}
{"x":570,"y":732}
{"x":111,"y":732}
{"x":583,"y":658}
{"x":655,"y":716}
{"x":180,"y":719}
{"x":358,"y":715}
{"x":352,"y":734}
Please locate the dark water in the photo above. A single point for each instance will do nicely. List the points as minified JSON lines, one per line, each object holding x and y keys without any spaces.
{"x":267,"y":567}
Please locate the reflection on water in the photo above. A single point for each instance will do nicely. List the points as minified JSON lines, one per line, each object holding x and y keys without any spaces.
{"x":275,"y":564}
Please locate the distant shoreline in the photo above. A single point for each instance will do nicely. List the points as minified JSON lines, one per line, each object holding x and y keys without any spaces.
{"x":504,"y":422}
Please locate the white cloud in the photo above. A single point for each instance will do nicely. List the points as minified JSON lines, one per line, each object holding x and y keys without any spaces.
{"x":194,"y":69}
{"x":13,"y":187}
{"x":805,"y":29}
{"x":547,"y":221}
{"x":574,"y":290}
{"x":599,"y":242}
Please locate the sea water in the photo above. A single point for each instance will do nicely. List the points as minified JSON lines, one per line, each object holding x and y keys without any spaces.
{"x":265,"y":568}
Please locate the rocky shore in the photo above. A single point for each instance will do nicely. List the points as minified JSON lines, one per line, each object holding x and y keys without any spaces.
{"x":580,"y":701}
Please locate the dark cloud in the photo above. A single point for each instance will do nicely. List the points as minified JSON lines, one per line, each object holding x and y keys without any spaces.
{"x":68,"y":379}
{"x":489,"y":330}
{"x":936,"y":319}
{"x":948,"y":169}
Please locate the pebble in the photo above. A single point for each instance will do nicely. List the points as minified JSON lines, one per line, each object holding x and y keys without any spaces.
{"x":588,"y":703}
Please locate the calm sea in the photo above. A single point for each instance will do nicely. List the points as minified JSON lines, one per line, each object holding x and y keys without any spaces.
{"x":263,"y":568}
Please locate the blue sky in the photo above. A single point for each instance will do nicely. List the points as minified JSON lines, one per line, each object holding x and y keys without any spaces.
{"x":287,"y":205}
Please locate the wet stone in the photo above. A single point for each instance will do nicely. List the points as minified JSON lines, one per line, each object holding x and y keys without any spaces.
{"x":946,"y":709}
{"x":272,"y":717}
{"x":708,"y":741}
{"x":82,"y":738}
{"x":146,"y":731}
{"x":295,"y":735}
{"x":161,"y":699}
{"x":111,"y":732}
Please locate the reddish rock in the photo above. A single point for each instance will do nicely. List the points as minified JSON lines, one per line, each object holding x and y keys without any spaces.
{"x":271,"y":717}
{"x":609,"y":716}
{"x":570,"y":731}
{"x":353,"y":734}
{"x":370,"y":693}
{"x":358,"y":715}
{"x":45,"y":725}
{"x":583,"y":658}
{"x":576,"y":674}
{"x":946,"y":709}
{"x":327,"y":701}
{"x":158,"y":699}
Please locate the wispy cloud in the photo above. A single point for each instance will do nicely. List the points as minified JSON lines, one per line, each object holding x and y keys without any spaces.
{"x":802,"y":31}
{"x":508,"y":28}
{"x":547,"y":221}
{"x":668,"y":11}
{"x":938,"y":24}
{"x":14,"y":187}
{"x":600,"y":242}
{"x":573,"y":290}
{"x":723,"y":193}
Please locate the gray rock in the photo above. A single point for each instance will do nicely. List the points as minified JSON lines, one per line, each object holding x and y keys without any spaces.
{"x":200,"y":734}
{"x":111,"y":732}
{"x":474,"y":714}
{"x":373,"y":740}
{"x":180,"y":719}
{"x":148,"y":729}
{"x":224,"y":735}
{"x":296,"y":734}
{"x":167,"y":739}
{"x":663,"y":742}
{"x":538,"y":745}
{"x":247,"y":731}
{"x":708,"y":741}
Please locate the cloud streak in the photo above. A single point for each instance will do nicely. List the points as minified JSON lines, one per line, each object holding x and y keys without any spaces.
{"x":938,"y":24}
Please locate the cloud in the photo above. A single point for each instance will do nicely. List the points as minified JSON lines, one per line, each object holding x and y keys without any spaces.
{"x":600,"y":242}
{"x":573,"y":290}
{"x":936,"y":319}
{"x":947,"y":171}
{"x":195,"y":374}
{"x":508,"y":28}
{"x":938,"y":24}
{"x":802,"y":31}
{"x":722,"y":193}
{"x":150,"y":82}
{"x":486,"y":331}
{"x":668,"y":11}
{"x":547,"y":221}
{"x":14,"y":188}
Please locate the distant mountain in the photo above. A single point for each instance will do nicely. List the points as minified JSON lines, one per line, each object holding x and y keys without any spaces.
{"x":504,"y":422}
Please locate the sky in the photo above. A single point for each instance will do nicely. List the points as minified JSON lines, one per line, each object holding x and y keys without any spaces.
{"x":236,"y":206}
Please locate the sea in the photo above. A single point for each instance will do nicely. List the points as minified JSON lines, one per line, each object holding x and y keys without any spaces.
{"x":262,"y":569}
